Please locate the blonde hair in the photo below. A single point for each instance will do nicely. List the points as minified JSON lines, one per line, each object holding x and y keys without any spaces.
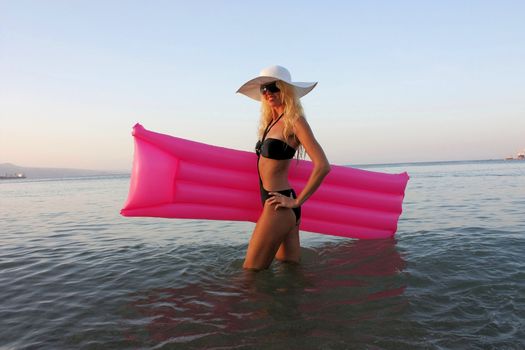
{"x":293,"y":110}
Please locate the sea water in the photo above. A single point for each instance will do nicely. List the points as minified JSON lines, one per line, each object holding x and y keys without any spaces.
{"x":74,"y":274}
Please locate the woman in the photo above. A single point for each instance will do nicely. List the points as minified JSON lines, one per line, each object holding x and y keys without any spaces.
{"x":283,"y":131}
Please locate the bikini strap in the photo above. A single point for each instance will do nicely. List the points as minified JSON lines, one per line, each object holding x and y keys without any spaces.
{"x":269,"y":127}
{"x":266,"y":131}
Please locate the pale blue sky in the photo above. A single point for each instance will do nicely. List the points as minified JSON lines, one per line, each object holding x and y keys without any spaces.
{"x":398,"y":80}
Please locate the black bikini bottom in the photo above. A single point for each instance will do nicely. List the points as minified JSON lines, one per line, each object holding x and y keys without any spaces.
{"x":265,"y":195}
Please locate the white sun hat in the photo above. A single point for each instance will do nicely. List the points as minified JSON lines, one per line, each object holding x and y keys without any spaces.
{"x":273,"y":73}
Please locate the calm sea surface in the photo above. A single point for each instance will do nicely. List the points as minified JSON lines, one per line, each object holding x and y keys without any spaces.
{"x":74,"y":274}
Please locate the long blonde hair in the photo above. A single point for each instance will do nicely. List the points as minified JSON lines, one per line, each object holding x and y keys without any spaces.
{"x":293,"y":110}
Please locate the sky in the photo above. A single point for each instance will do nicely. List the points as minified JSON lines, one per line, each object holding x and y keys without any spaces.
{"x":399,"y":81}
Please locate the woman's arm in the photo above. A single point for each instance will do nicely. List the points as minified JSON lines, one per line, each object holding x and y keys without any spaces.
{"x":321,"y":165}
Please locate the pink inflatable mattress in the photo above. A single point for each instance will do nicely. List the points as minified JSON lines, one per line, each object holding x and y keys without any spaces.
{"x":177,"y":178}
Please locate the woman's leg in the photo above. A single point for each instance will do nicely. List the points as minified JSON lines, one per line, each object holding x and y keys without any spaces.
{"x":290,"y":249}
{"x":270,"y":231}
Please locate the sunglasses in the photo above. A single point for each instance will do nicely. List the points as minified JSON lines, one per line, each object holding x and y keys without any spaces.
{"x":271,"y":88}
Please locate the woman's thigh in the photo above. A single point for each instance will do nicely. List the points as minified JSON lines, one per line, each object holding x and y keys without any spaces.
{"x":271,"y":229}
{"x":290,"y":248}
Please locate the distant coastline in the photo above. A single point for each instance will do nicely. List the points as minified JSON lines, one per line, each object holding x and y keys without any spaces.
{"x":58,"y":173}
{"x":426,"y":163}
{"x":53,"y":173}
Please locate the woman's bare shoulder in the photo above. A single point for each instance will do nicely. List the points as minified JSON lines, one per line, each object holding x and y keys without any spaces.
{"x":302,"y":127}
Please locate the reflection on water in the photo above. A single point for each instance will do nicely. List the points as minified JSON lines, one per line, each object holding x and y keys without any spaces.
{"x":336,"y":289}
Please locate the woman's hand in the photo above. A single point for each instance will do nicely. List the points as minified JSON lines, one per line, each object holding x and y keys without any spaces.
{"x":281,"y":201}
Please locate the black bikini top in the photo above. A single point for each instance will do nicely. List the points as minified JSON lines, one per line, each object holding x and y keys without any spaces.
{"x":273,"y":148}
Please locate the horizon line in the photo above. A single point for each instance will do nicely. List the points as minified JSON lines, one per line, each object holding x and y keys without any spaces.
{"x":127,"y":171}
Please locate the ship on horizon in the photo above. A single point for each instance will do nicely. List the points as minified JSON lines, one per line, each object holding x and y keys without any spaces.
{"x":519,"y":156}
{"x":12,"y":176}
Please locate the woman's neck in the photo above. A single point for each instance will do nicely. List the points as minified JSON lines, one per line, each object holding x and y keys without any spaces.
{"x":278,"y":111}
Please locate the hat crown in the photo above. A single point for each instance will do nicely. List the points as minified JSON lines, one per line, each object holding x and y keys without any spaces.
{"x":277,"y":72}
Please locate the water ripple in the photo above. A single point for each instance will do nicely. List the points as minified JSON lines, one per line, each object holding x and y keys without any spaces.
{"x":75,"y":274}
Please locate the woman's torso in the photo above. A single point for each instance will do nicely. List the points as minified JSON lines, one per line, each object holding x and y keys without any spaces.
{"x":274,"y":172}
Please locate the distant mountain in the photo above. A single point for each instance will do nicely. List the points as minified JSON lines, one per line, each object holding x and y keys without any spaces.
{"x":47,"y":173}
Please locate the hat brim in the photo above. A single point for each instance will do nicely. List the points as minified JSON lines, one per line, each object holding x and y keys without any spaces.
{"x":252,"y":87}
